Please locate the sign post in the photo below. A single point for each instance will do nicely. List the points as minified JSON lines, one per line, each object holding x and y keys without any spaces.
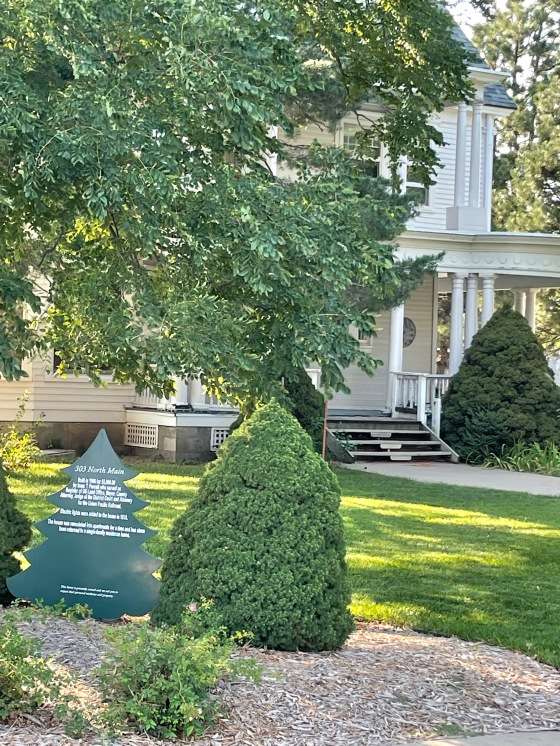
{"x":92,"y":553}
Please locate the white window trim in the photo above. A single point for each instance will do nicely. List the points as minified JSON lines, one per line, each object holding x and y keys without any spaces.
{"x":417,"y":184}
{"x":384,"y":170}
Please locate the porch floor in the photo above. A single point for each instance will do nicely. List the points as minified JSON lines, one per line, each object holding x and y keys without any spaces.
{"x":443,"y":472}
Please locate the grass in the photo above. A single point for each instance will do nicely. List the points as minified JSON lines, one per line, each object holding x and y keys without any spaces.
{"x":479,"y":564}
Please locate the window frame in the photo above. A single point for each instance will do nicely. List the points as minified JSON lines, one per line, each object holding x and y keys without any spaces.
{"x":340,"y":133}
{"x":409,"y":183}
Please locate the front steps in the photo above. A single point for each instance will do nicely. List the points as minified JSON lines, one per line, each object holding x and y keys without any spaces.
{"x":395,"y":439}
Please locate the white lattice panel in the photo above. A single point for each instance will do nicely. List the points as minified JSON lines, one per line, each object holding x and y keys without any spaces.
{"x":141,"y":436}
{"x":217,"y":437}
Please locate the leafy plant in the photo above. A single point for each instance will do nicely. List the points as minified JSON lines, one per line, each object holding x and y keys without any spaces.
{"x":503,"y":393}
{"x":264,"y":539}
{"x":15,"y":533}
{"x":18,"y":448}
{"x":539,"y":458}
{"x":27,"y":681}
{"x":159,"y":680}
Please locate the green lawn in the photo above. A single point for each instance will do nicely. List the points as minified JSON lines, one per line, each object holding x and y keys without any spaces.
{"x":480,"y":564}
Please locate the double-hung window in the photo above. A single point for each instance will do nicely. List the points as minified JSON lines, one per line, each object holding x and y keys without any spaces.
{"x":414,"y":185}
{"x":370,"y":164}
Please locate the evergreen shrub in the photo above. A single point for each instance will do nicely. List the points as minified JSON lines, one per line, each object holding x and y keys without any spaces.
{"x":264,"y":540}
{"x":307,"y":405}
{"x":504,"y":392}
{"x":15,"y":533}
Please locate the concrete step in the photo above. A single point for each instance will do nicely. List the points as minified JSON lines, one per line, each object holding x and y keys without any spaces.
{"x":401,"y":455}
{"x":376,"y":433}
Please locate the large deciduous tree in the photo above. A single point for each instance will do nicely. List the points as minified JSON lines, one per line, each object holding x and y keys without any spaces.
{"x":140,"y":227}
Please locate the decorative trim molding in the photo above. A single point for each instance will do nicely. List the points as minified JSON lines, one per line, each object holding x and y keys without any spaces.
{"x":532,"y":254}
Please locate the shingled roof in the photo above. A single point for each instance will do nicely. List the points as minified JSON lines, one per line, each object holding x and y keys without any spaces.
{"x":495,"y":94}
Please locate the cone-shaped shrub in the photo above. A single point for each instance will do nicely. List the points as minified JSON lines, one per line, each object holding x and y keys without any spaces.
{"x":503,"y":393}
{"x":15,"y":533}
{"x":264,"y":539}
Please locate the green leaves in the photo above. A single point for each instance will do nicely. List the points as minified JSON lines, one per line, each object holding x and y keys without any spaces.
{"x":137,"y":212}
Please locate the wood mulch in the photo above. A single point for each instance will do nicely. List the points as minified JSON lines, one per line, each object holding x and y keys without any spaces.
{"x":385,"y":686}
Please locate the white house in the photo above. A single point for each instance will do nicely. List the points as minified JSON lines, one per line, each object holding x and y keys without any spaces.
{"x":395,"y":412}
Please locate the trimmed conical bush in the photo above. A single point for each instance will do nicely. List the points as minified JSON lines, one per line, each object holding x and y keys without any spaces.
{"x":503,"y":393}
{"x":15,"y":533}
{"x":264,"y":540}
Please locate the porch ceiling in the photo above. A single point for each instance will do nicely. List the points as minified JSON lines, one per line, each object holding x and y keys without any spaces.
{"x":517,"y":259}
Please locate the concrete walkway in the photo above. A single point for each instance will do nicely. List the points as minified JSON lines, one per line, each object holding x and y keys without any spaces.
{"x":444,"y":472}
{"x":548,"y":738}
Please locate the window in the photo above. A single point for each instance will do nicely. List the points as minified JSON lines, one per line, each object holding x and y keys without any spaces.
{"x":415,"y":186}
{"x":350,"y":141}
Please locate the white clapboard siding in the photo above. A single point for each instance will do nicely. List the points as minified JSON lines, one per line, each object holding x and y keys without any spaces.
{"x":69,"y":399}
{"x":367,"y":392}
{"x":434,"y":215}
{"x":11,"y":393}
{"x":371,"y":392}
{"x":419,"y":357}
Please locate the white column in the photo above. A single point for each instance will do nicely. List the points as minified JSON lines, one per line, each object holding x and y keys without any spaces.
{"x":395,"y":348}
{"x":181,"y":395}
{"x":531,"y":308}
{"x":488,"y":281}
{"x":460,"y":155}
{"x":520,"y":301}
{"x":488,"y":167}
{"x":471,"y":310}
{"x":456,"y":322}
{"x":474,"y":173}
{"x":196,"y":393}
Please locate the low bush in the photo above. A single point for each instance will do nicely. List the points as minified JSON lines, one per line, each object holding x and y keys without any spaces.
{"x":18,"y":448}
{"x":264,"y":539}
{"x":534,"y":457}
{"x":26,"y":681}
{"x":15,"y":533}
{"x":159,"y":680}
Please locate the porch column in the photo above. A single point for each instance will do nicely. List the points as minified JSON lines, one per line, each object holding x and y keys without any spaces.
{"x":520,"y":301}
{"x":471,"y":310}
{"x":531,"y":307}
{"x":196,"y":393}
{"x":456,"y":322}
{"x":395,"y":348}
{"x":488,"y":281}
{"x":460,"y":155}
{"x":474,"y":172}
{"x":181,"y":395}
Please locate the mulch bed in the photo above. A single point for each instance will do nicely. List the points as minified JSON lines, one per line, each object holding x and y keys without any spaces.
{"x":385,"y":686}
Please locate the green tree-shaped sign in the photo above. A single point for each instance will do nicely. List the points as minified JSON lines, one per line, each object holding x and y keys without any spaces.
{"x":93,"y":554}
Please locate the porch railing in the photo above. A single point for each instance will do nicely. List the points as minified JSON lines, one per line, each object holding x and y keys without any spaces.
{"x":147,"y":400}
{"x":419,"y":393}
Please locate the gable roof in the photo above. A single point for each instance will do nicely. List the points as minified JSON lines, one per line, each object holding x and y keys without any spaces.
{"x":495,"y":94}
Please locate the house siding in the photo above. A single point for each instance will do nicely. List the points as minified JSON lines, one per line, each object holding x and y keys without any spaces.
{"x":371,"y":392}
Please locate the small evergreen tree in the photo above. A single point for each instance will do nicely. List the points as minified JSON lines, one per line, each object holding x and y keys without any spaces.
{"x":264,"y":540}
{"x":503,"y":393}
{"x":306,"y":404}
{"x":15,"y":533}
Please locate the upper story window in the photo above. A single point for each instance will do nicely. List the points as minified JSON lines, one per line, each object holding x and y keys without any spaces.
{"x":370,"y":164}
{"x":415,"y":187}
